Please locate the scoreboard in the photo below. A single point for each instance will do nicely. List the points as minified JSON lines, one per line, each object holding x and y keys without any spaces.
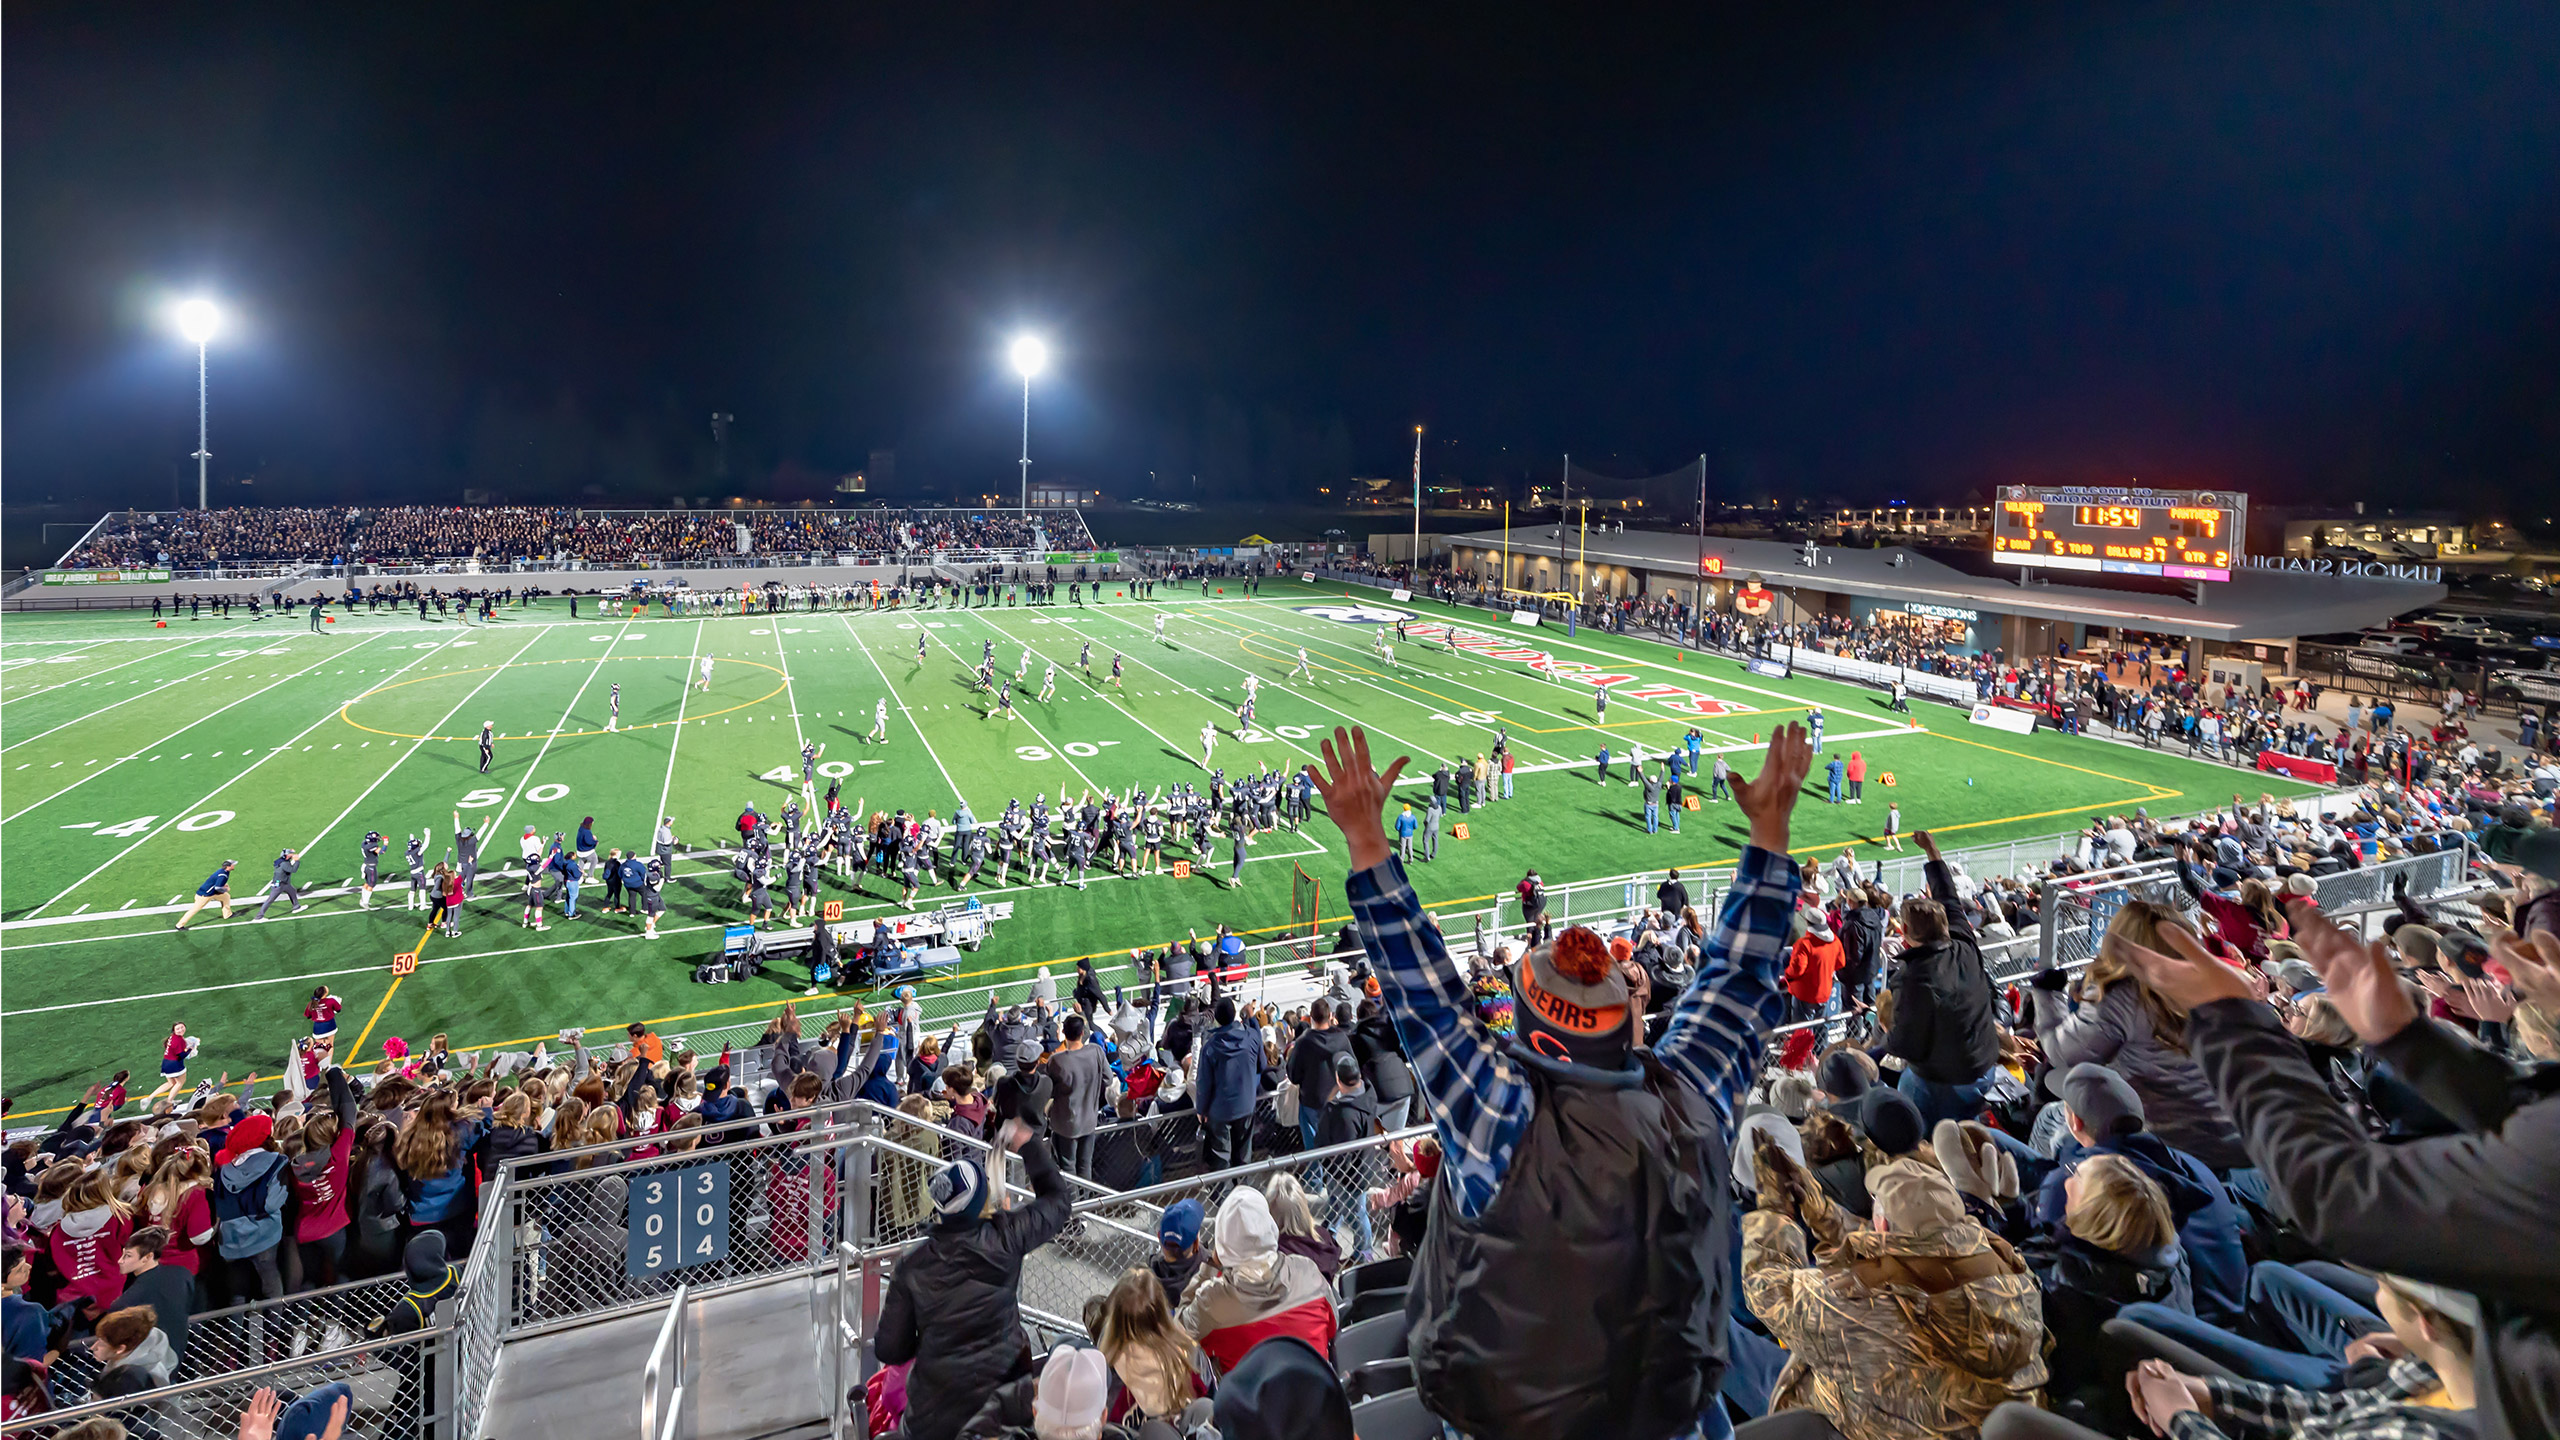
{"x":2121,"y":530}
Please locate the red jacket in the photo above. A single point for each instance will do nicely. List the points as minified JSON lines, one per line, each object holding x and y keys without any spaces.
{"x":1810,"y":966}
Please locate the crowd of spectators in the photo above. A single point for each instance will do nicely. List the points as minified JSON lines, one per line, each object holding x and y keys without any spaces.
{"x":2248,"y":1171}
{"x":422,"y":534}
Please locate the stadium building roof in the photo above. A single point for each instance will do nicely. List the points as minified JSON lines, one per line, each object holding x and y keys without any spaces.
{"x":2253,"y":605}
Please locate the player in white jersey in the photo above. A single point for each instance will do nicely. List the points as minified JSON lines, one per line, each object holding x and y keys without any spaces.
{"x":706,"y":674}
{"x":1049,"y":684}
{"x":1022,"y":666}
{"x":613,"y":716}
{"x":1159,"y":625}
{"x":1208,"y":744}
{"x":1305,"y":671}
{"x":880,"y":721}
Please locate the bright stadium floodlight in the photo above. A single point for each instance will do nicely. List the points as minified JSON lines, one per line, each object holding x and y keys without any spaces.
{"x":198,"y":319}
{"x":1030,"y":355}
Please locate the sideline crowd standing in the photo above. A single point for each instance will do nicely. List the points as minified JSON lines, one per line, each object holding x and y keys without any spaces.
{"x":2246,"y":1174}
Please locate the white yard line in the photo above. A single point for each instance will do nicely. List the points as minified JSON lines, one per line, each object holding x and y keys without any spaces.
{"x":129,"y":699}
{"x":1120,"y":702}
{"x":1007,"y":681}
{"x":902,"y":709}
{"x":684,"y":692}
{"x":49,"y":689}
{"x":1507,"y":703}
{"x":525,"y":781}
{"x":419,"y":744}
{"x":1285,"y":688}
{"x":376,"y":969}
{"x":325,"y":717}
{"x":190,"y":725}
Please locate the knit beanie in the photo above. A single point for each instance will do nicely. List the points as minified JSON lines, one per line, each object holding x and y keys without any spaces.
{"x":1573,"y":1002}
{"x":1842,"y":1077}
{"x":1248,"y":1238}
{"x":959,"y":1190}
{"x":1074,"y":1386}
{"x":1892,"y":1121}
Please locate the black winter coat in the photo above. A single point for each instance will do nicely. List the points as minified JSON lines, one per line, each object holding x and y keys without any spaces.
{"x":954,"y":1306}
{"x":1381,"y":1056}
{"x":1945,"y":1017}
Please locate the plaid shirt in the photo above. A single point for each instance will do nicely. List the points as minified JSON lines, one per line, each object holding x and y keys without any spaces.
{"x":1479,"y":1095}
{"x":2382,"y":1412}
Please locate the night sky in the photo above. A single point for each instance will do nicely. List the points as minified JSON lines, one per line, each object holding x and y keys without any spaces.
{"x":1846,"y":251}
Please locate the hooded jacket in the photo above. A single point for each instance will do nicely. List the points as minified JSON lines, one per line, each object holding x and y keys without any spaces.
{"x":147,"y":1368}
{"x":1231,"y":1314}
{"x":1283,"y":1391}
{"x":1945,"y":1020}
{"x":2208,"y":1223}
{"x":2084,"y":1286}
{"x":2178,"y":1103}
{"x":85,"y":1246}
{"x":1381,"y":1056}
{"x":248,"y":1203}
{"x":954,"y":1305}
{"x":432,"y":1282}
{"x":1893,"y":1336}
{"x":1230,"y":1073}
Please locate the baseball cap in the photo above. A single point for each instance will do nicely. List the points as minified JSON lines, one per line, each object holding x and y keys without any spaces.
{"x":1179,"y":1228}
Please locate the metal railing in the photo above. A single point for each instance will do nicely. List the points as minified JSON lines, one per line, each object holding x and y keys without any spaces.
{"x":394,"y":1387}
{"x":662,"y":1380}
{"x":221,"y":1341}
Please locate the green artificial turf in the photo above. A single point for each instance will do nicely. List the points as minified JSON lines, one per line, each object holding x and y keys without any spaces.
{"x":136,"y":758}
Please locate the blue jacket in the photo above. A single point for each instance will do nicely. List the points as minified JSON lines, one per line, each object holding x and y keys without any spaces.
{"x":1230,"y":1072}
{"x":248,"y":1204}
{"x":2208,"y":1222}
{"x":440,"y":1197}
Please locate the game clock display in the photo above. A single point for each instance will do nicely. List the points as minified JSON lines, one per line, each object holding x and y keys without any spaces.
{"x":2115,"y":530}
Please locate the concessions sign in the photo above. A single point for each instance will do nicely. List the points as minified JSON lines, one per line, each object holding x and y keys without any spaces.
{"x":106,"y":577}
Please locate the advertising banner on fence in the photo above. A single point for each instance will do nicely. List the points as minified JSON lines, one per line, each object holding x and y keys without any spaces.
{"x":1524,"y":617}
{"x":2001,"y":717}
{"x":106,"y":577}
{"x":1083,"y":557}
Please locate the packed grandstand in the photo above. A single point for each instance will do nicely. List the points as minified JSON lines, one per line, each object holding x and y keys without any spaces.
{"x":2265,"y":1145}
{"x":431,"y":534}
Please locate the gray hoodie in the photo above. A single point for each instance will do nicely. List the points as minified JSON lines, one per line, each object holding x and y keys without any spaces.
{"x":147,"y":1368}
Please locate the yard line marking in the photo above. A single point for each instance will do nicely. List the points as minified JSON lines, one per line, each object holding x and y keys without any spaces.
{"x":1116,"y":704}
{"x":1285,"y":688}
{"x":101,"y":710}
{"x":92,"y":645}
{"x":1054,"y":750}
{"x":414,"y":749}
{"x":172,"y":735}
{"x":420,"y":950}
{"x":902,"y":709}
{"x":525,"y":781}
{"x":201,"y":802}
{"x":1352,"y":674}
{"x":684,"y":691}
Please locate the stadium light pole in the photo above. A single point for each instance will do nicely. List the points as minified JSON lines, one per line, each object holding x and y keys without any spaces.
{"x":1030,"y":357}
{"x":197,"y":321}
{"x":1416,"y":557}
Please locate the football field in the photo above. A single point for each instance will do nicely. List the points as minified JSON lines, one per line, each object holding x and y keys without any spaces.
{"x":134,"y":759}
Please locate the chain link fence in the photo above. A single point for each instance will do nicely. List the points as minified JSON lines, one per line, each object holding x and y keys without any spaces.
{"x":608,"y":1233}
{"x":392,"y":1389}
{"x":272,"y":1331}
